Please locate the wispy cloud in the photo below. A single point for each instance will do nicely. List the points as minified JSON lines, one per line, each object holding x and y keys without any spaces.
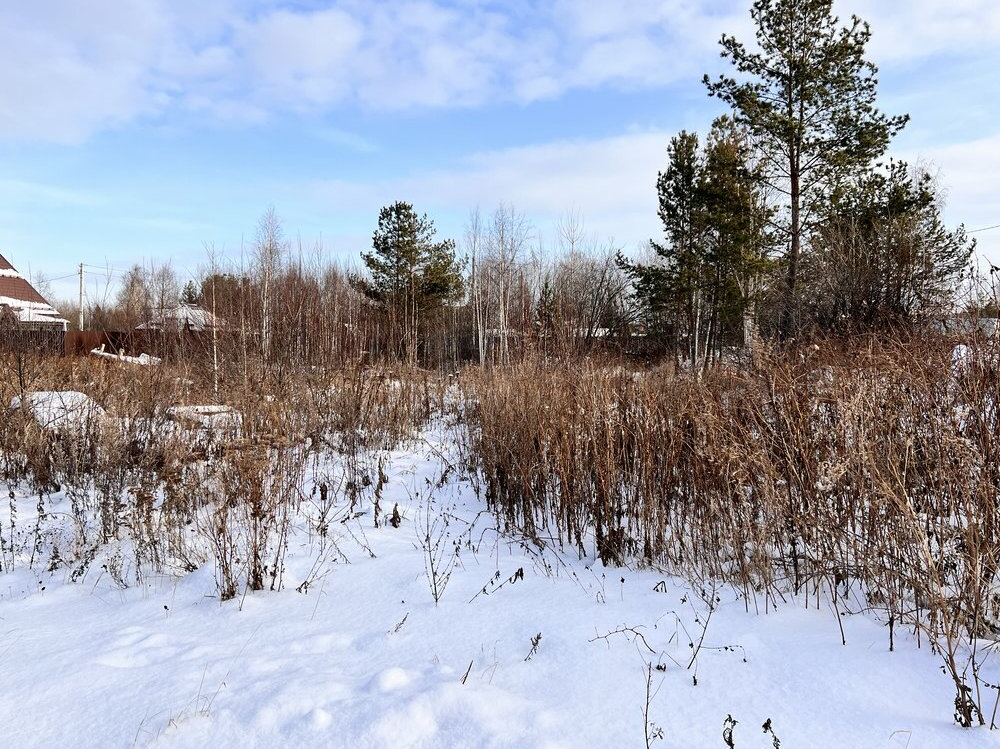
{"x":967,"y":175}
{"x":76,"y":69}
{"x":610,"y":182}
{"x":21,"y":192}
{"x":349,"y":140}
{"x":72,"y":70}
{"x":918,"y":29}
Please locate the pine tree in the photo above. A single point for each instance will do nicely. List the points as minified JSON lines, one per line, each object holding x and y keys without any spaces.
{"x":809,"y":101}
{"x":667,"y":290}
{"x":410,"y":274}
{"x":735,"y":218}
{"x":704,"y":283}
{"x":882,"y":257}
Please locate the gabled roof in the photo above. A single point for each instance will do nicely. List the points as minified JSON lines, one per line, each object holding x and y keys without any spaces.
{"x":23,"y":299}
{"x":182,"y":317}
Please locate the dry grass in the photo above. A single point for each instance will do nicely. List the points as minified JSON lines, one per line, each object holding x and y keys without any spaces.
{"x":865,"y":476}
{"x":869,"y":474}
{"x":176,"y":495}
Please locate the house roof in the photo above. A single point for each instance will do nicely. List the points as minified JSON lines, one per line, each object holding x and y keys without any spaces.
{"x":23,"y":299}
{"x":182,"y":317}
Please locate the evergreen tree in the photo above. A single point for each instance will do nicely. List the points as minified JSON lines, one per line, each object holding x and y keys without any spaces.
{"x":735,"y":218}
{"x":702,"y":288}
{"x":882,"y":257}
{"x":809,"y":101}
{"x":667,"y":290}
{"x":190,"y":294}
{"x":545,"y":316}
{"x":410,"y":275}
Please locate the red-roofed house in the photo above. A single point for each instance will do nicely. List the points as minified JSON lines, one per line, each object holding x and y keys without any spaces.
{"x":21,"y":303}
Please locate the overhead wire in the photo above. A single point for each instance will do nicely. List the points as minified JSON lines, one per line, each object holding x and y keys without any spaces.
{"x":985,"y":228}
{"x":104,"y":268}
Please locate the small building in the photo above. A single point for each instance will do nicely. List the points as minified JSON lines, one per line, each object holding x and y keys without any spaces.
{"x":175,"y":332}
{"x":182,"y":318}
{"x":21,"y":303}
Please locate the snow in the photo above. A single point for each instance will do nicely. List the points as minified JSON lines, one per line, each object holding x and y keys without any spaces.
{"x":28,"y":311}
{"x":60,"y":409}
{"x":364,"y":657}
{"x":142,"y":359}
{"x":961,"y":360}
{"x":208,"y":416}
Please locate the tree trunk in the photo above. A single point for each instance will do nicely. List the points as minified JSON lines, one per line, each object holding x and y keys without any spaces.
{"x":787,"y":323}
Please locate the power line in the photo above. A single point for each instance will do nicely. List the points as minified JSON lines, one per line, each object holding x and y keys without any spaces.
{"x":985,"y":228}
{"x":104,"y":268}
{"x":105,"y":271}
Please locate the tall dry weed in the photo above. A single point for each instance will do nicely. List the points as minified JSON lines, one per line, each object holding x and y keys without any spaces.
{"x":872,"y":471}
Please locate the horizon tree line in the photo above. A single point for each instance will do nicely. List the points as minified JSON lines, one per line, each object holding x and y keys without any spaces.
{"x":785,"y":220}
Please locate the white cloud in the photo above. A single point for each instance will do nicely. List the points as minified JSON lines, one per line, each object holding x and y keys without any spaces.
{"x":347,"y":139}
{"x":25,"y":194}
{"x":914,"y":29}
{"x":968,"y":176}
{"x":300,"y":58}
{"x":74,"y":68}
{"x":610,"y":182}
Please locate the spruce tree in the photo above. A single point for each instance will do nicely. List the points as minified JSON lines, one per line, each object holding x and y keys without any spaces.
{"x":190,"y":294}
{"x":807,"y":95}
{"x":737,"y":242}
{"x":666,"y":290}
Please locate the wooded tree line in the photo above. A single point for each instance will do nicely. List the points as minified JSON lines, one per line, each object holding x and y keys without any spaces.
{"x":785,"y":219}
{"x":789,"y":220}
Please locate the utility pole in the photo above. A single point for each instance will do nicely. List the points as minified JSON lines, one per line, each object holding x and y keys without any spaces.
{"x":80,"y":320}
{"x":215,"y":343}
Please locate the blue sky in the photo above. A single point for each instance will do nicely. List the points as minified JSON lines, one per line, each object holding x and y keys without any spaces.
{"x":142,"y":130}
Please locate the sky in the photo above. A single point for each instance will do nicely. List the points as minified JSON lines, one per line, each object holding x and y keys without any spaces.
{"x":149,"y":131}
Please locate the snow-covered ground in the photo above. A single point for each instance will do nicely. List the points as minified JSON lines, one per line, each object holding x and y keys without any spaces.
{"x":60,"y":409}
{"x":363,"y":657}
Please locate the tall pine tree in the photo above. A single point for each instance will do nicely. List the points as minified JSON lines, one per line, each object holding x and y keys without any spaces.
{"x":410,"y":274}
{"x":807,"y":95}
{"x":667,"y":290}
{"x":737,"y":242}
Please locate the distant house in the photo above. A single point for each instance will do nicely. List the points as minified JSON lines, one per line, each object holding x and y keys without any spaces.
{"x":175,"y":331}
{"x":183,"y":318}
{"x":21,"y":303}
